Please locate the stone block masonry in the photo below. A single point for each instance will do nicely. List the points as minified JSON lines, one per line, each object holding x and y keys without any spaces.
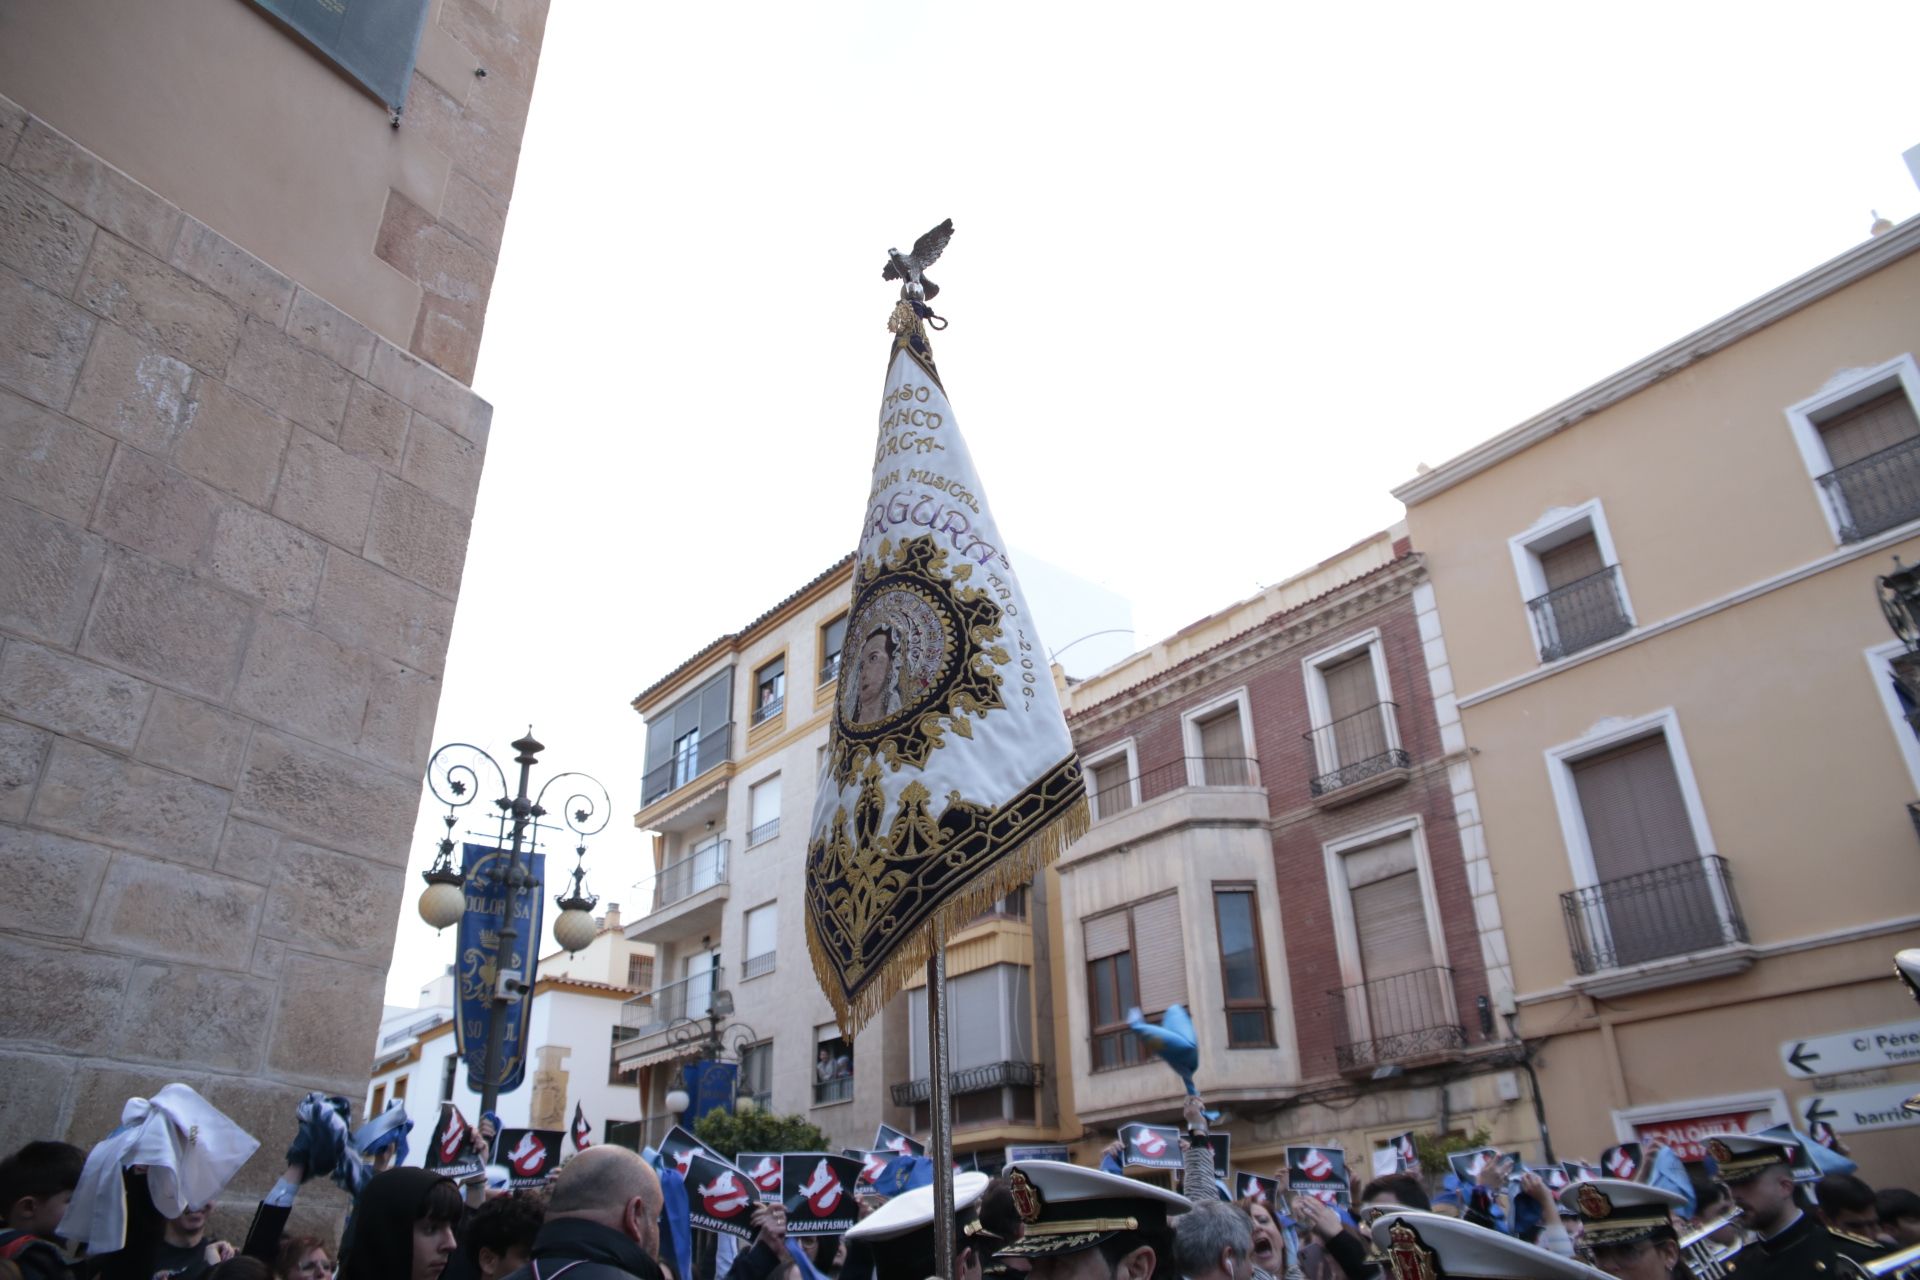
{"x":233,"y":524}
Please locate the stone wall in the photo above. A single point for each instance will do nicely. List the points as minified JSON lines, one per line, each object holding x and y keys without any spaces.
{"x":233,"y":523}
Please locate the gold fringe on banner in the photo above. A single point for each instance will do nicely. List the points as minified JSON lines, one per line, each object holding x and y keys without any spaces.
{"x":1015,"y":869}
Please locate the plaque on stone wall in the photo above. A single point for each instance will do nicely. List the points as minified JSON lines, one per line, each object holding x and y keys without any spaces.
{"x":373,"y":41}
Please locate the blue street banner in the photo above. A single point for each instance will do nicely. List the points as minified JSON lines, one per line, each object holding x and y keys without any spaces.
{"x":710,"y":1087}
{"x":477,"y":971}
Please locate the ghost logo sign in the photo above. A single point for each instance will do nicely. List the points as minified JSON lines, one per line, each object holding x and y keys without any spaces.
{"x":762,"y":1170}
{"x":817,"y":1192}
{"x":530,"y":1155}
{"x":726,"y":1195}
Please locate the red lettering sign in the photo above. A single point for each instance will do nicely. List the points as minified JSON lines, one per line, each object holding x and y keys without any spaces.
{"x":1688,"y":1136}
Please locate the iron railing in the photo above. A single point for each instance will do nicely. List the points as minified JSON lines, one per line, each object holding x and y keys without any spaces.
{"x":992,"y":1075}
{"x":1585,"y":612}
{"x":830,"y":669}
{"x":702,"y":869}
{"x":1188,"y":771}
{"x":838,"y":1089}
{"x":1396,"y":1019}
{"x":768,"y":710}
{"x":1668,"y":911}
{"x":754,"y":966}
{"x":1354,"y":748}
{"x":711,"y":750}
{"x":1877,"y":492}
{"x":764,"y":832}
{"x":690,"y":997}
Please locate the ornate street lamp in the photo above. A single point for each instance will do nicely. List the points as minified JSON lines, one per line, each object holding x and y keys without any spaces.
{"x":721,"y":1044}
{"x":454,"y":775}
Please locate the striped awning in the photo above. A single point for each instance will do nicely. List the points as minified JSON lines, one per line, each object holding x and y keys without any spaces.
{"x":671,"y":1053}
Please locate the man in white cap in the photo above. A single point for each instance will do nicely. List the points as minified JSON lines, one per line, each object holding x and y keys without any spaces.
{"x":1627,"y":1227}
{"x":1082,"y":1224}
{"x":899,"y":1234}
{"x":1431,"y":1246}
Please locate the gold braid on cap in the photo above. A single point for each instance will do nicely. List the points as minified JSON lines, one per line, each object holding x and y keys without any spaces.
{"x":1409,"y":1256}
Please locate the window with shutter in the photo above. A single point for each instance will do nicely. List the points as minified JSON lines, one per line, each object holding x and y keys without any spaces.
{"x":1356,"y":728}
{"x":1867,"y":429}
{"x":770,"y":689}
{"x":1571,"y":561}
{"x":1223,"y":750}
{"x":1653,"y":897}
{"x":1111,"y":787}
{"x":833,"y":637}
{"x":1160,"y":958}
{"x":1106,"y":935}
{"x":763,"y":804}
{"x":1403,"y":989}
{"x":1111,"y":990}
{"x":762,"y":930}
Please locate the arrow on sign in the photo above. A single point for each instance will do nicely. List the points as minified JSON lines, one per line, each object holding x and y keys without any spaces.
{"x":1815,"y":1113}
{"x":1800,"y":1059}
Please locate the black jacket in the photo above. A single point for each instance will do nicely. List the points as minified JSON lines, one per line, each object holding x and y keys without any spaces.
{"x":1804,"y":1251}
{"x":587,"y":1251}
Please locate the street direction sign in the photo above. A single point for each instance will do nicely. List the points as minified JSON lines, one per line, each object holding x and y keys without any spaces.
{"x":1858,"y":1110}
{"x":1859,"y":1050}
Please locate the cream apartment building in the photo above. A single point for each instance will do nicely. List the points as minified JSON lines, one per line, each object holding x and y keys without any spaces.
{"x":1692,"y":764}
{"x":735,"y":735}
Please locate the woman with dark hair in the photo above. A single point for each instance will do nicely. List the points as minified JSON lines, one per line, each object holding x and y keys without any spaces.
{"x":402,"y":1227}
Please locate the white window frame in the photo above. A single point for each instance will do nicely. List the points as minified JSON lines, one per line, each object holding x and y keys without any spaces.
{"x":1105,"y":755}
{"x":746,"y":935}
{"x":1554,"y":529}
{"x":1843,"y":391}
{"x":1612,"y":733}
{"x":1880,"y":667}
{"x":1346,"y":933}
{"x":1320,"y":711}
{"x":1190,"y":730}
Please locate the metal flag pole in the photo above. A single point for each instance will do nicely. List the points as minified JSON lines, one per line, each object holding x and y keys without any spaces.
{"x":940,"y":1113}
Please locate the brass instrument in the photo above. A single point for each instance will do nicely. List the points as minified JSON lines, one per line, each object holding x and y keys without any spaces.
{"x":1703,"y":1256}
{"x":1902,"y":1265}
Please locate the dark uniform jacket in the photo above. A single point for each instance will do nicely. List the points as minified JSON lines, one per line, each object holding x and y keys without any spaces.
{"x":1804,"y":1251}
{"x":1860,"y":1248}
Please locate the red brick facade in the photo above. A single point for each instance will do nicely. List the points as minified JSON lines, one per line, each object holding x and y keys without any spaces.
{"x":1267,"y":662}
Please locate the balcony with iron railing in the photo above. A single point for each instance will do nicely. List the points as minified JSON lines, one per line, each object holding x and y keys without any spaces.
{"x":1674,"y":923}
{"x":697,"y":760}
{"x":1192,"y":790}
{"x":1877,"y":492}
{"x":652,"y":1012}
{"x":688,"y":895}
{"x":1405,"y":1019}
{"x":1581,"y":614}
{"x":991,"y":1075}
{"x":1356,"y":755}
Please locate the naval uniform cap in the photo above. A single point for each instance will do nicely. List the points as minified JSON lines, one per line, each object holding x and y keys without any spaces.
{"x":1615,"y":1211}
{"x":1432,"y":1246}
{"x":912,"y":1210}
{"x":1743,"y":1157}
{"x":1065,"y":1208}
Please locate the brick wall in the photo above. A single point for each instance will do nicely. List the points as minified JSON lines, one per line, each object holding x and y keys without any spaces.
{"x":233,"y":524}
{"x":1277,"y":698}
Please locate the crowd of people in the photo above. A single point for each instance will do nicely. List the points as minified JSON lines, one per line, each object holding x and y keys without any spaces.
{"x":610,"y":1213}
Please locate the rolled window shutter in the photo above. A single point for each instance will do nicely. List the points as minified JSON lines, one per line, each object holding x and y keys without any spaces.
{"x":1160,"y":960}
{"x":1572,"y":561}
{"x":762,"y":929}
{"x":1391,"y":920}
{"x":1636,"y":817}
{"x":1378,"y":861}
{"x":765,"y":803}
{"x":1350,"y":687}
{"x":1865,"y":430}
{"x":1220,"y":736}
{"x":1106,"y":935}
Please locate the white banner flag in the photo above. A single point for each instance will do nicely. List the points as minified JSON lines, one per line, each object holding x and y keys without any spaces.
{"x":950,"y":777}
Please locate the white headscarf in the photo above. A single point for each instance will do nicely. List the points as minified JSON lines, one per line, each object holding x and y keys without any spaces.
{"x":190,"y":1151}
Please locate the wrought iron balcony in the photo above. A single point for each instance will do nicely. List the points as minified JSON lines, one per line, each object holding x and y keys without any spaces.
{"x":700,"y":870}
{"x":838,"y":1089}
{"x":992,"y":1075}
{"x":1355,"y":748}
{"x":691,"y":997}
{"x":1877,"y":492}
{"x":711,"y":751}
{"x":1585,"y":612}
{"x":1188,"y":771}
{"x":764,"y":832}
{"x":1669,"y":911}
{"x":1403,"y":1018}
{"x":754,"y":966}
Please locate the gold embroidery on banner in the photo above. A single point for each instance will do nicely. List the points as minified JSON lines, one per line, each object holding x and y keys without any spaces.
{"x":922,"y":660}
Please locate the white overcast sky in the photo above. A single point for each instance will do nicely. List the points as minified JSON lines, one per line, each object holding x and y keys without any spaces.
{"x":1222,"y":276}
